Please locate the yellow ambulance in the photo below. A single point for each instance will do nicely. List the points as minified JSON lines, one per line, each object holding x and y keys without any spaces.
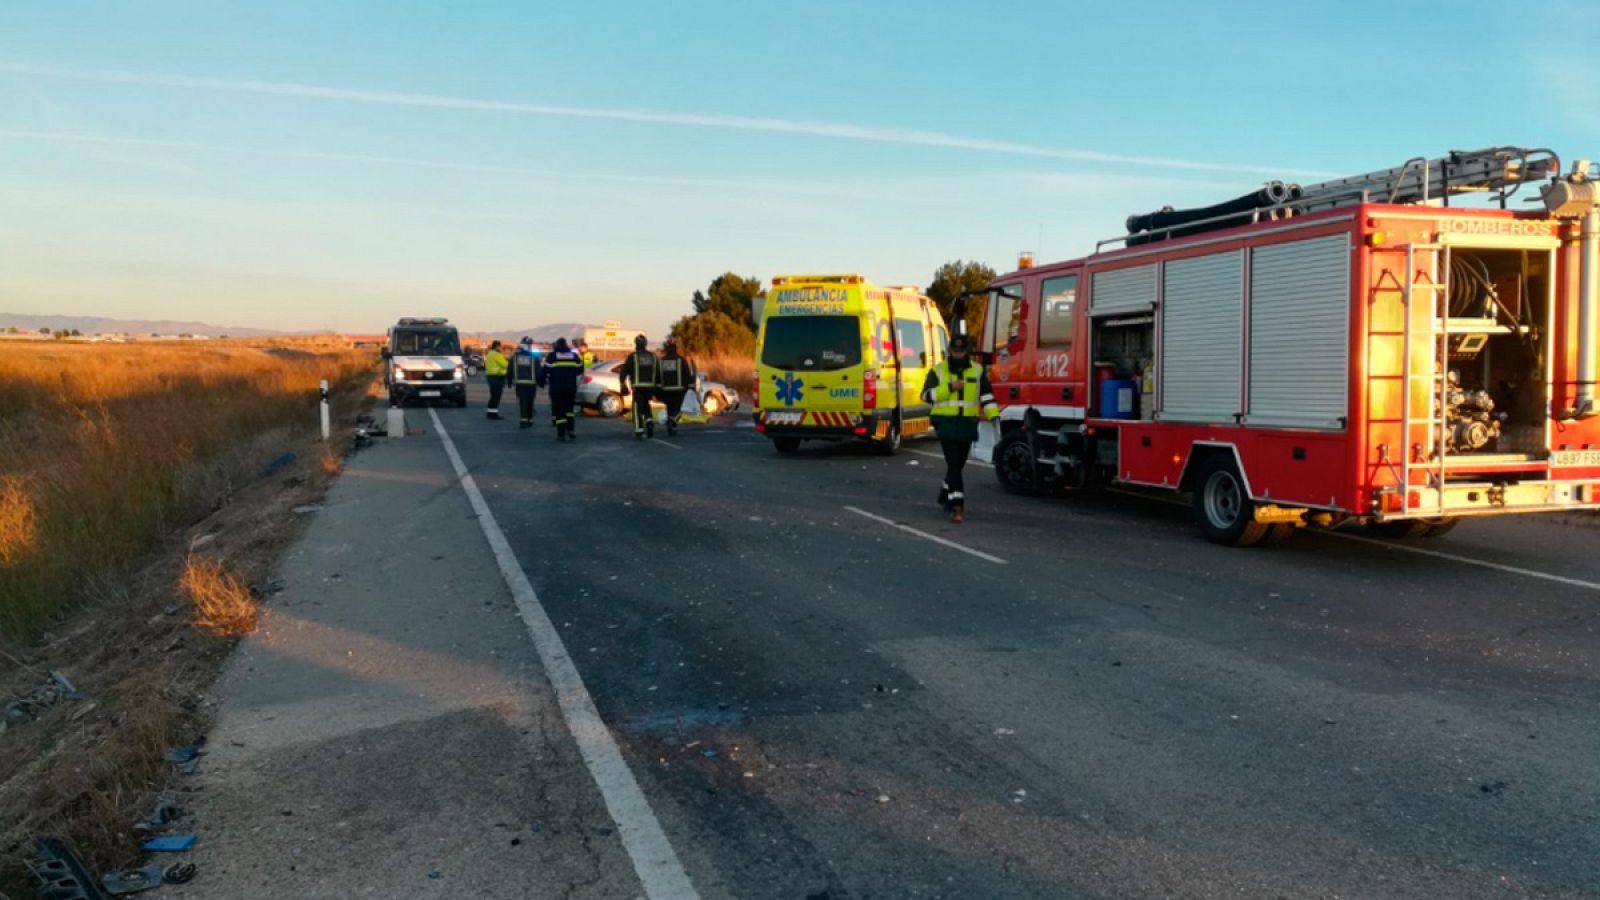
{"x":838,"y":358}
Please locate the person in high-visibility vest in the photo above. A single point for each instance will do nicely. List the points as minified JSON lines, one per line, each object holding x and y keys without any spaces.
{"x":641,"y":370}
{"x":559,"y":375}
{"x":584,"y":353}
{"x":495,"y":366}
{"x":525,"y":378}
{"x":677,"y":377}
{"x":959,"y":390}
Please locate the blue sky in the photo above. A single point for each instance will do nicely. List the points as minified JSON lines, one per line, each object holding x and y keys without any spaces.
{"x":335,"y":165}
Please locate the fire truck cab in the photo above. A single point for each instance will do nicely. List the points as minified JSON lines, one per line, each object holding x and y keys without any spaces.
{"x":1356,"y":349}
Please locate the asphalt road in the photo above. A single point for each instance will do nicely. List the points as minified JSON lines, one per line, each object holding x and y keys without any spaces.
{"x":819,"y":704}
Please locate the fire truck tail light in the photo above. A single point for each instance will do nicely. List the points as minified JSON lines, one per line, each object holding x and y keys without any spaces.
{"x":1377,"y":239}
{"x":1391,"y":502}
{"x":1414,"y":501}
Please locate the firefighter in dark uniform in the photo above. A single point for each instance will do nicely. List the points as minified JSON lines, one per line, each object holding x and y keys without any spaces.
{"x":959,"y":390}
{"x":677,"y":377}
{"x":525,"y":379}
{"x":559,"y":375}
{"x":641,"y":369}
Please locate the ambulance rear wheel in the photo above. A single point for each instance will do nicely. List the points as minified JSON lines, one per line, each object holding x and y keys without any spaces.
{"x":890,"y":445}
{"x":1014,"y":464}
{"x":1223,"y":507}
{"x":786,"y":444}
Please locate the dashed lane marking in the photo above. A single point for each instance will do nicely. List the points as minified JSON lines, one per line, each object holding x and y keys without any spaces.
{"x":927,"y":537}
{"x":976,"y":462}
{"x":654,"y":860}
{"x":665,"y":443}
{"x":1485,"y":564}
{"x":1391,"y":545}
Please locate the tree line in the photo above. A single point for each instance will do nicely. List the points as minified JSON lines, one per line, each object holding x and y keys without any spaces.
{"x":723,"y":321}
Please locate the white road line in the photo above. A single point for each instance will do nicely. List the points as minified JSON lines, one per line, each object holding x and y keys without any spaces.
{"x":666,"y":443}
{"x":976,"y":462}
{"x":654,"y":860}
{"x":1499,"y":567}
{"x":926,"y":536}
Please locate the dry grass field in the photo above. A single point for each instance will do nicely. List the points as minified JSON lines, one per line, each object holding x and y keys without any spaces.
{"x":145,"y":495}
{"x":732,"y":369}
{"x":106,"y":447}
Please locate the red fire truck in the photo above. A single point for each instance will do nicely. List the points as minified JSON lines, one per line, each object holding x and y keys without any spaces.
{"x":1305,"y":355}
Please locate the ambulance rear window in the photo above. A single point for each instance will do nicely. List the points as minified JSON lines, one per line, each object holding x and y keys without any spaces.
{"x":812,"y":343}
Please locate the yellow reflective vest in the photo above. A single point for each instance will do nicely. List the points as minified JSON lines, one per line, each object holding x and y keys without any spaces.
{"x":964,"y":394}
{"x":494,"y":363}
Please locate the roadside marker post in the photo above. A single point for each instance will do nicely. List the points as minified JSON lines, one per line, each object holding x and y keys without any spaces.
{"x":327,"y":426}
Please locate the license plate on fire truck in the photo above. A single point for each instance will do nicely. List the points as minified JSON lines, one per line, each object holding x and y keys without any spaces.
{"x":1575,"y":458}
{"x":785,"y":418}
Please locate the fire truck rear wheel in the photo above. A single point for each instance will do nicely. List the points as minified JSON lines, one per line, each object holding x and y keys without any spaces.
{"x":1223,"y":508}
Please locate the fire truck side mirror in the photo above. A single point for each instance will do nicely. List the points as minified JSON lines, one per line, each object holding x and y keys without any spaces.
{"x":385,"y":353}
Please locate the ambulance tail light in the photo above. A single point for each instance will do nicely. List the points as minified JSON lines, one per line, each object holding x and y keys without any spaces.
{"x":860,"y":429}
{"x":755,"y":389}
{"x":869,"y":389}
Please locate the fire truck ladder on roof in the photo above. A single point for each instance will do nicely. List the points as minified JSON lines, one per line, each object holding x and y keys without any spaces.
{"x":1497,"y":170}
{"x":1429,"y":286}
{"x":1422,"y":180}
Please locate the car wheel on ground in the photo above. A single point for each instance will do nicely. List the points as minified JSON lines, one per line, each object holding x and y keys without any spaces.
{"x":1222,"y":506}
{"x":610,"y":405}
{"x":712,"y":404}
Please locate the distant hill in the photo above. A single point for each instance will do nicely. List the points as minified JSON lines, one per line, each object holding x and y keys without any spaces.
{"x":102,"y":325}
{"x":544,"y":334}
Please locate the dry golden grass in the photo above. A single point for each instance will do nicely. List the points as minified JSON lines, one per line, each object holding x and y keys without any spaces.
{"x":735,"y":370}
{"x":107,"y":447}
{"x":224,"y":606}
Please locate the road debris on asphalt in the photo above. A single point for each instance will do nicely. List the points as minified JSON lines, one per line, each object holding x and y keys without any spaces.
{"x":171,"y":843}
{"x":133,"y":881}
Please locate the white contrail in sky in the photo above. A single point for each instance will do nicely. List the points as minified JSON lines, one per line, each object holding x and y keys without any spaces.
{"x":839,"y":130}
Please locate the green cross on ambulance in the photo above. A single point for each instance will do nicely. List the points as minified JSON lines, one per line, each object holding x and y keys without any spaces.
{"x":838,"y":358}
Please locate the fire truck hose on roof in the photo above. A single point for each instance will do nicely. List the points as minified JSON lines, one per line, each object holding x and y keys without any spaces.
{"x":1273,"y":193}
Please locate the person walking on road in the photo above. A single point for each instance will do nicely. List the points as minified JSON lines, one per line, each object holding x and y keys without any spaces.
{"x":525,"y":378}
{"x":495,"y":366}
{"x":641,"y":369}
{"x":961,"y":395}
{"x":677,"y":377}
{"x":559,"y":375}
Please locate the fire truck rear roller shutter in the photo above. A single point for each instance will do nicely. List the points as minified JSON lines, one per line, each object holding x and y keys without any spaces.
{"x":1202,"y":340}
{"x":1299,"y":333}
{"x":1124,"y":291}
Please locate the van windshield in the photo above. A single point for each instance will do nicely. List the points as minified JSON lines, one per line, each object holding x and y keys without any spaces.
{"x":812,"y":343}
{"x":426,"y":343}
